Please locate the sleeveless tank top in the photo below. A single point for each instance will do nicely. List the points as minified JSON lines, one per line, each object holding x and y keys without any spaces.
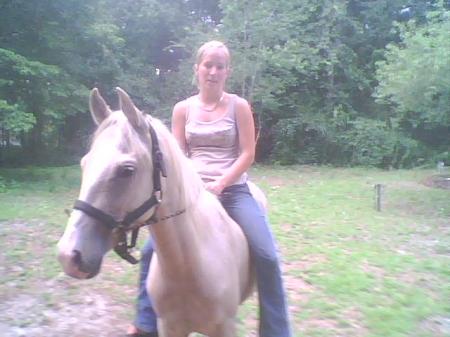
{"x":212,"y":146}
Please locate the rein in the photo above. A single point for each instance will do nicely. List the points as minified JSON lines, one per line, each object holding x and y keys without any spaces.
{"x":122,"y":226}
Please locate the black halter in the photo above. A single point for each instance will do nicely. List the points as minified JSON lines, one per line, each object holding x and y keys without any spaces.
{"x":122,"y":226}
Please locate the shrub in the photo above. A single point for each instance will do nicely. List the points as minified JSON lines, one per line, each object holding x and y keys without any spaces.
{"x":372,"y":143}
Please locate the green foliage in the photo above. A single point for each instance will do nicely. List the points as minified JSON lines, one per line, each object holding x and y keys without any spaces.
{"x":372,"y":143}
{"x":418,"y":88}
{"x":414,"y":81}
{"x":360,"y":141}
{"x":309,"y":137}
{"x":300,"y":64}
{"x":18,"y":77}
{"x":38,"y":96}
{"x":14,"y":119}
{"x":307,"y":67}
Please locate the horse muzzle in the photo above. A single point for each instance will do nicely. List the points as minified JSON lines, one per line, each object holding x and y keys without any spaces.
{"x":80,"y":253}
{"x":74,"y":265}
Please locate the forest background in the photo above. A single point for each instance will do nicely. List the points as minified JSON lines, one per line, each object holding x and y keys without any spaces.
{"x":340,"y":82}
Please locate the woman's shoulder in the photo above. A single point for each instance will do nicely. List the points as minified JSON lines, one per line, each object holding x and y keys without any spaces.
{"x":241,"y":104}
{"x":183,"y":103}
{"x":182,"y":106}
{"x":237,"y":99}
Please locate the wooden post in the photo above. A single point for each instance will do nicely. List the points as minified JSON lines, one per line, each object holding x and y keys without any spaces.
{"x":379,"y":189}
{"x":440,"y":167}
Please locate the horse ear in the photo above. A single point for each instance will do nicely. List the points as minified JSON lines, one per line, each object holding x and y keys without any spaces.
{"x":99,"y":109}
{"x":133,"y":114}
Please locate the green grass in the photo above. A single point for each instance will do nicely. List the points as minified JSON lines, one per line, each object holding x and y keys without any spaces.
{"x":350,"y":270}
{"x":389,"y":267}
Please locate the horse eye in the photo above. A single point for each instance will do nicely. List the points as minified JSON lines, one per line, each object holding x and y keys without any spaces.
{"x":126,"y":171}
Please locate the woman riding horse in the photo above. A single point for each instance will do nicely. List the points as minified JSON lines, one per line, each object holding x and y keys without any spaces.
{"x":137,"y":172}
{"x":216,"y":130}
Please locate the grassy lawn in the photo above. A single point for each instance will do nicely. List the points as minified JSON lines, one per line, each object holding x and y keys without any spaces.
{"x":349,"y":270}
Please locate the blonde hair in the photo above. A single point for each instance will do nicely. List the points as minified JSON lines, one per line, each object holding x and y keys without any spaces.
{"x":211,"y":45}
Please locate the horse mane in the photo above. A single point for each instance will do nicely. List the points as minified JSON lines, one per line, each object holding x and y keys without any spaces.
{"x":182,"y":170}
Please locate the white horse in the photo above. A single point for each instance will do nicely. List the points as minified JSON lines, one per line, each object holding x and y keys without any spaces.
{"x":201,"y":269}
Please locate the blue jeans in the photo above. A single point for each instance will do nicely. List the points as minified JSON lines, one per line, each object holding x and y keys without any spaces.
{"x":242,"y":207}
{"x":145,"y":315}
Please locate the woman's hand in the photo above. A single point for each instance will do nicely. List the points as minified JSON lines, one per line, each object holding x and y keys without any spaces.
{"x":215,"y":187}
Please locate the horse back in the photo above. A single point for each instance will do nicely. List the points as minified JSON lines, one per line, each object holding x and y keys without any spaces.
{"x":259,"y":195}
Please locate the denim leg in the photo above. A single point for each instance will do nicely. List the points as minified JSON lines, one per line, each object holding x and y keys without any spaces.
{"x":242,"y":207}
{"x":145,"y":315}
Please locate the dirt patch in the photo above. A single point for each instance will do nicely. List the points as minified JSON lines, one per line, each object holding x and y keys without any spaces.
{"x":58,"y":308}
{"x":438,"y":181}
{"x":35,"y":304}
{"x":439,"y":325}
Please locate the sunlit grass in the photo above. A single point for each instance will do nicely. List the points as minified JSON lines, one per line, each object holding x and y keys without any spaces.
{"x":359,"y":257}
{"x":350,"y":270}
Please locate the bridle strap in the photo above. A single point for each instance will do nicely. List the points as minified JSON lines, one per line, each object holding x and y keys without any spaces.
{"x":108,"y":220}
{"x":96,"y":213}
{"x":123,"y":249}
{"x":138,"y":212}
{"x":159,"y":168}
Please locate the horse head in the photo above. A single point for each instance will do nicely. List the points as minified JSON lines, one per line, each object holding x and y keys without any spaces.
{"x":117,"y":187}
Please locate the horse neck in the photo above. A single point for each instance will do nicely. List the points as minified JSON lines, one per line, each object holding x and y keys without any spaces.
{"x":176,"y":245}
{"x":176,"y":238}
{"x":177,"y":242}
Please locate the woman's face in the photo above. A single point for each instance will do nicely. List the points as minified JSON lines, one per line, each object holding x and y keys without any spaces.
{"x":213,"y":69}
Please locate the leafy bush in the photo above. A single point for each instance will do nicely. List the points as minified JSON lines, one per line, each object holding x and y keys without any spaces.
{"x":298,"y":142}
{"x":442,"y":157}
{"x":371,"y":143}
{"x":362,"y":141}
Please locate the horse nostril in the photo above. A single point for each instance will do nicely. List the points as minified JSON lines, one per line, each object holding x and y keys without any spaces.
{"x":76,"y":257}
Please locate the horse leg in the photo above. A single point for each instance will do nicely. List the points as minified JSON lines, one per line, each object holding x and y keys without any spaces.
{"x":166,"y":329}
{"x":225,"y":329}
